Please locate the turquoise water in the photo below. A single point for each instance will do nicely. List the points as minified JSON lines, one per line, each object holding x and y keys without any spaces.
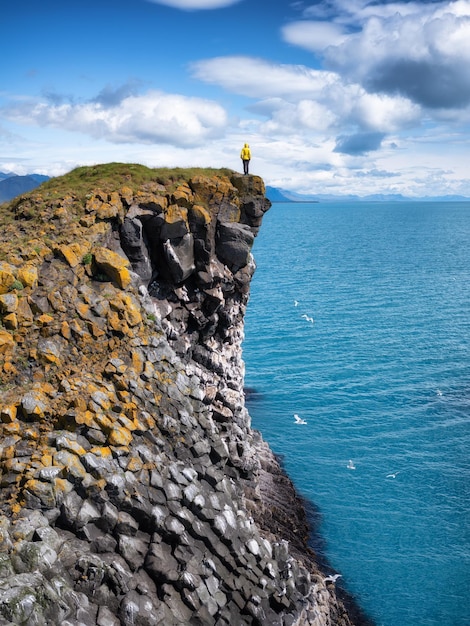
{"x":382,"y":378}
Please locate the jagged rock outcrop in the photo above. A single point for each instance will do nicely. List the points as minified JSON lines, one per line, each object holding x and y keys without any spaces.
{"x":134,"y":490}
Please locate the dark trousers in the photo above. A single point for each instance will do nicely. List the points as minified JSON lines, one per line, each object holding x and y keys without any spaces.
{"x":246,"y":163}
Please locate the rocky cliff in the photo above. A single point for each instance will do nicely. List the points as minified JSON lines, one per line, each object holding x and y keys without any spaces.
{"x":133,"y":489}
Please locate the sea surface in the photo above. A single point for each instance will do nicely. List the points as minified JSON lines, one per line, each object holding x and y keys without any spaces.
{"x":382,"y":378}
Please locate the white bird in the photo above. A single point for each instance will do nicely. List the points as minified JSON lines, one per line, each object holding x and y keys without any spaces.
{"x":299,"y":420}
{"x":332,"y":578}
{"x":296,"y":303}
{"x":351,"y":465}
{"x":306,"y":317}
{"x":394,"y":475}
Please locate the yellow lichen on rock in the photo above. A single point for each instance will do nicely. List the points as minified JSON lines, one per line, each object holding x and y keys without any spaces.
{"x":115,"y":199}
{"x":13,"y":428}
{"x":127,"y":194}
{"x":119,"y":436}
{"x":28,"y":276}
{"x":210,"y":191}
{"x":71,"y":464}
{"x":10,"y":321}
{"x":7,"y":343}
{"x":7,"y":277}
{"x":106,"y":206}
{"x":113,"y":265}
{"x":104,"y":423}
{"x":127,"y":308}
{"x":36,"y":489}
{"x":93,"y":203}
{"x":146,"y":198}
{"x":135,"y":464}
{"x":65,"y":330}
{"x":137,"y":362}
{"x":86,"y":418}
{"x":96,"y":231}
{"x":95,"y":330}
{"x":45,"y":319}
{"x":175,"y":213}
{"x":71,"y":446}
{"x":61,"y":213}
{"x":83,"y":310}
{"x":106,"y":211}
{"x":34,"y":404}
{"x":8,"y":413}
{"x":38,"y":249}
{"x":73,"y":253}
{"x":102,"y":451}
{"x":24,"y":312}
{"x":49,"y":351}
{"x":116,"y":323}
{"x":183,"y":196}
{"x":46,"y":460}
{"x":61,"y":488}
{"x":200,"y":215}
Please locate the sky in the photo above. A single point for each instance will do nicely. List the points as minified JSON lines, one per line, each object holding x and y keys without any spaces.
{"x":333,"y":96}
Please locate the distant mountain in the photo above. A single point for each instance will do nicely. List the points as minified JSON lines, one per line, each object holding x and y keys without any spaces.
{"x":276,"y":195}
{"x":282,"y":195}
{"x":39,"y":177}
{"x":12,"y":185}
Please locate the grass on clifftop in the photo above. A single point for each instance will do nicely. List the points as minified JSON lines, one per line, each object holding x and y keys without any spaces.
{"x":108,"y":177}
{"x":111,"y":176}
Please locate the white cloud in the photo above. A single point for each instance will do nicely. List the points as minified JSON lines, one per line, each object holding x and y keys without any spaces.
{"x":150,"y":118}
{"x":295,"y":97}
{"x":354,"y":12}
{"x":420,"y":51}
{"x":314,"y":36}
{"x":379,"y":112}
{"x":195,"y":5}
{"x":257,"y":78}
{"x":284,"y":117}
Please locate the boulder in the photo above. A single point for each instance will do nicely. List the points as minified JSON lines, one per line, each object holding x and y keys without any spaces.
{"x":7,"y":277}
{"x":179,"y":256}
{"x":113,"y":265}
{"x":133,"y":244}
{"x":233,"y":244}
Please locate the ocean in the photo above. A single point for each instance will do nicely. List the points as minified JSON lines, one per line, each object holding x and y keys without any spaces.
{"x":381,"y":376}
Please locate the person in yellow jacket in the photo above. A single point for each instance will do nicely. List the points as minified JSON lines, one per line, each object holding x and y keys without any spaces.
{"x":245,"y":156}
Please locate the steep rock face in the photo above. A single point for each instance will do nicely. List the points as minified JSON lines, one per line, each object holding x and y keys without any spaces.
{"x":133,"y":489}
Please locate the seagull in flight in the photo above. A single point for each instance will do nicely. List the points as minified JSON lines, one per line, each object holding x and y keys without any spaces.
{"x":299,"y":420}
{"x":393,"y":475}
{"x":351,"y":465}
{"x":306,"y":317}
{"x":332,"y":578}
{"x":296,"y":303}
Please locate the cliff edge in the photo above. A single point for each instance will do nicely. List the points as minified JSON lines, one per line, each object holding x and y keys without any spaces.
{"x":133,"y":489}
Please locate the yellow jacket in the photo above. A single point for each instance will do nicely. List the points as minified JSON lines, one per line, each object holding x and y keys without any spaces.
{"x":245,"y":153}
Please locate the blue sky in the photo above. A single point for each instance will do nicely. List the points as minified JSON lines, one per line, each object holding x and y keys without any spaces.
{"x":334,"y":96}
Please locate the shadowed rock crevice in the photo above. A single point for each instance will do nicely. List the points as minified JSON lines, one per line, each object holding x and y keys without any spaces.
{"x":134,"y":490}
